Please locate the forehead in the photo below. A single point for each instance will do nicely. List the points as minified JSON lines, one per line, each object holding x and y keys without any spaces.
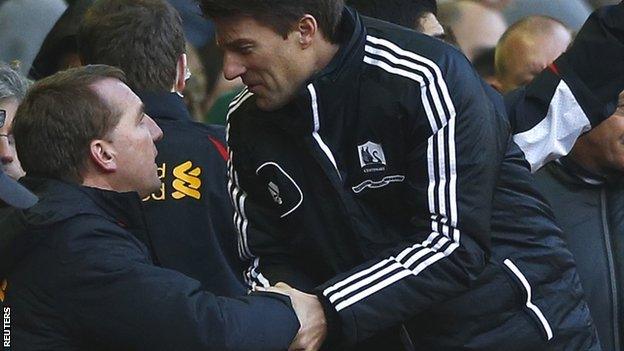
{"x":245,"y":28}
{"x":116,"y":94}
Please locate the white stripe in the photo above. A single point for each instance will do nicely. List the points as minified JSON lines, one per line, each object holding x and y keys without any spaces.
{"x":353,"y":287}
{"x":446,"y":182}
{"x":401,"y":72}
{"x":555,"y":135}
{"x":289,"y":178}
{"x":530,"y":304}
{"x":236,"y":194}
{"x":236,"y":105}
{"x":442,"y":186}
{"x":453,"y":181}
{"x":257,"y":275}
{"x":432,"y":182}
{"x":237,"y":98}
{"x":418,"y":67}
{"x":373,"y":289}
{"x":344,"y":282}
{"x":317,"y":126}
{"x":438,"y":73}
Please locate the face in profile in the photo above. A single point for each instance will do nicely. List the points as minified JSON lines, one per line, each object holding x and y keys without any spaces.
{"x":8,"y":156}
{"x":267,"y":63}
{"x":130,"y":152}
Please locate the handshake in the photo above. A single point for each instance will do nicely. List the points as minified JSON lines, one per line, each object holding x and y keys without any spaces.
{"x":313,"y":325}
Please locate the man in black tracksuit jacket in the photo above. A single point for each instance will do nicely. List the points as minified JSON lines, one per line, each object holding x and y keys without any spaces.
{"x":189,"y":218}
{"x":390,"y":185}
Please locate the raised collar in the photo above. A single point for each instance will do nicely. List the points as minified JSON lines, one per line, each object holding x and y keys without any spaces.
{"x":164,"y":105}
{"x":61,"y":200}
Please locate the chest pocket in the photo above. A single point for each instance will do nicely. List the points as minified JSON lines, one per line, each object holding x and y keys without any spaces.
{"x":281,"y":188}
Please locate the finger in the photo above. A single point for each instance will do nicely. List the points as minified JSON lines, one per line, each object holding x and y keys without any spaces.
{"x":283,"y":285}
{"x":272,"y":289}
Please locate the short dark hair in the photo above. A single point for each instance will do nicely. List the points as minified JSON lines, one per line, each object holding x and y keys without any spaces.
{"x":402,"y":12}
{"x":142,"y":37}
{"x":280,"y":15}
{"x":59,"y":117}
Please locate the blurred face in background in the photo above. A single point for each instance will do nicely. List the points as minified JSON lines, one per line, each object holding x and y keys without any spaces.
{"x":528,"y":55}
{"x":601,"y":151}
{"x":8,"y":155}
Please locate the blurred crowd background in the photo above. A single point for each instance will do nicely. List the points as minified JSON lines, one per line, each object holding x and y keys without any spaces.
{"x":39,"y":37}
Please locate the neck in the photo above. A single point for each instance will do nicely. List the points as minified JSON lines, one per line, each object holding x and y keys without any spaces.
{"x":97,"y":182}
{"x":583,"y":156}
{"x":326,"y":53}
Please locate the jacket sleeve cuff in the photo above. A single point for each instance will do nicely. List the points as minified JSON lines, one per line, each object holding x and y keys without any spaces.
{"x":332,"y":317}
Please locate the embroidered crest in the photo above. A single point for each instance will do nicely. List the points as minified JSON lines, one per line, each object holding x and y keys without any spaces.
{"x":372,"y":158}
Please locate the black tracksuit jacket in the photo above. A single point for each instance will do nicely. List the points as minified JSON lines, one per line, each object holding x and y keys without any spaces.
{"x":392,"y":187}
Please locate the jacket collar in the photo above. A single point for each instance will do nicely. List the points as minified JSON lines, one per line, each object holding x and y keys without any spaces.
{"x":61,"y":200}
{"x":566,"y":169}
{"x":22,"y":230}
{"x":164,"y":105}
{"x":329,"y":84}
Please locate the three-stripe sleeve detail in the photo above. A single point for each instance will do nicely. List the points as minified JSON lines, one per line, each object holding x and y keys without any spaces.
{"x":237,"y":195}
{"x":444,"y":237}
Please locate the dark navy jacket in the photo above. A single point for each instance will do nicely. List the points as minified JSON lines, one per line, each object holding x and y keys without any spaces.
{"x":190,"y":218}
{"x":392,"y":187}
{"x":588,"y":208}
{"x":79,"y":277}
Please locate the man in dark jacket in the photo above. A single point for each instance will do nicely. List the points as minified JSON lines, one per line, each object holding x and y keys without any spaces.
{"x":78,"y":269}
{"x":190,"y":216}
{"x":585,"y":190}
{"x":378,"y":150}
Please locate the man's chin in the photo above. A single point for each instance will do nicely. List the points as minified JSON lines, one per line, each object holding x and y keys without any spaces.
{"x":266,"y":104}
{"x":153,"y":188}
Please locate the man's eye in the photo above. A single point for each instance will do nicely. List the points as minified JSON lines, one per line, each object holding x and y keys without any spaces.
{"x":245,"y":49}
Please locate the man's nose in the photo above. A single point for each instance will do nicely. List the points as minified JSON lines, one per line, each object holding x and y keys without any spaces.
{"x":232,"y":67}
{"x":155,"y":130}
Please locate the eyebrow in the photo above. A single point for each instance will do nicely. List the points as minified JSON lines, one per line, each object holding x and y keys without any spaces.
{"x":235,"y":43}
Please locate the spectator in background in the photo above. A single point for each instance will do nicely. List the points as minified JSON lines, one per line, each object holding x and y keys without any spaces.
{"x":12,"y":90}
{"x":476,"y":27}
{"x":419,"y":15}
{"x":23,"y":26}
{"x":59,"y":50}
{"x":191,"y":214}
{"x":599,"y":3}
{"x":526,"y":48}
{"x":572,"y":13}
{"x":584,"y":190}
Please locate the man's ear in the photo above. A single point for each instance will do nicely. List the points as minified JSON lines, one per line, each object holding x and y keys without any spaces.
{"x":102,"y":155}
{"x":307,"y":29}
{"x":181,"y":69}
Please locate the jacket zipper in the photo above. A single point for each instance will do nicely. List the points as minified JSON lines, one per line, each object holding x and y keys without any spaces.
{"x":609,"y":249}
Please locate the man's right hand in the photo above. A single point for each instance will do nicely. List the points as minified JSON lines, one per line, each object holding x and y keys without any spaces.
{"x":313,"y":325}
